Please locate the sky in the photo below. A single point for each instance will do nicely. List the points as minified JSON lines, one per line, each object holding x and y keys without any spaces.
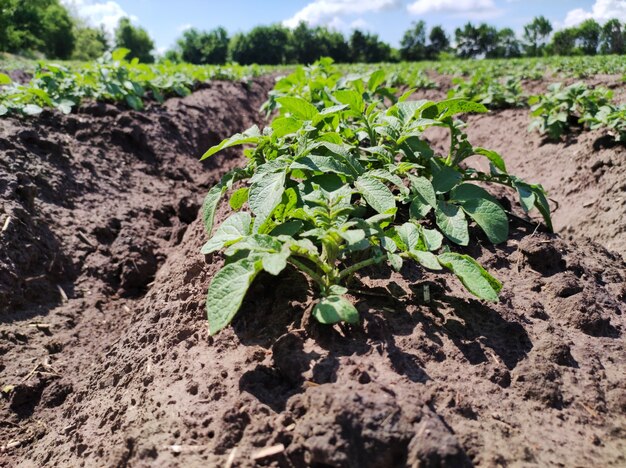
{"x":165,"y":20}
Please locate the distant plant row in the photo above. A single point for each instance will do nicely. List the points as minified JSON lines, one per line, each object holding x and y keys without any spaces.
{"x":109,"y":79}
{"x":46,"y":28}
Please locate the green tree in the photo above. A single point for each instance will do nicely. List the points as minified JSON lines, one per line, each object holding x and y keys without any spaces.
{"x":36,"y":25}
{"x":334,"y":45}
{"x":588,"y":36}
{"x":368,"y":48}
{"x":200,"y":47}
{"x":536,"y":34}
{"x":439,"y":42}
{"x":467,"y":41}
{"x":266,"y":45}
{"x":563,"y":42}
{"x":91,"y":43}
{"x":488,"y":40}
{"x":136,"y":39}
{"x":413,"y":44}
{"x":306,"y":44}
{"x":508,"y":46}
{"x":612,"y":37}
{"x":57,"y":32}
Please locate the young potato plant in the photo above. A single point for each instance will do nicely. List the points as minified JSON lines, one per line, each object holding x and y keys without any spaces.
{"x":494,"y":93}
{"x":560,"y":108}
{"x":339,"y":182}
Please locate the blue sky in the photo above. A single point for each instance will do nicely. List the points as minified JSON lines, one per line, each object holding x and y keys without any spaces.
{"x":166,"y":19}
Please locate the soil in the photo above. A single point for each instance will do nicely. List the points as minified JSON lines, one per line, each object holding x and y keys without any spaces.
{"x":104,"y":338}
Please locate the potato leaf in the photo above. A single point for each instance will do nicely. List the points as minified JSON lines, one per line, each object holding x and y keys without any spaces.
{"x":335,"y":309}
{"x":227,"y":291}
{"x":473,"y":276}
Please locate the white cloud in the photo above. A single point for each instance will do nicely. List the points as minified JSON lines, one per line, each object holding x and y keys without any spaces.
{"x":184,"y":27}
{"x":471,"y":9}
{"x":329,"y":12}
{"x":601,"y":11}
{"x":96,"y":13}
{"x":359,"y":23}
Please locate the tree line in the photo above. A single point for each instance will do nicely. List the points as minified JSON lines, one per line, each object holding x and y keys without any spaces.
{"x":47,"y":28}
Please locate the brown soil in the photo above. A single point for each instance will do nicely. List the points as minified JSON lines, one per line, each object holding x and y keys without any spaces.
{"x":123,"y":373}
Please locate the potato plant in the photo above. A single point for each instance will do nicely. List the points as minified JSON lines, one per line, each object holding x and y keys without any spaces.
{"x":561,"y":107}
{"x":340,"y":181}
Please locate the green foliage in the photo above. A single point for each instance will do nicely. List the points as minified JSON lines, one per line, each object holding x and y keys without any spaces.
{"x":201,"y":48}
{"x":413,"y":43}
{"x":306,"y":45}
{"x":493,"y":92}
{"x":535,"y":35}
{"x":44,"y":26}
{"x":266,"y":45}
{"x":343,"y":179}
{"x":368,"y":48}
{"x":91,"y":43}
{"x":613,"y":37}
{"x":135,"y":39}
{"x":111,"y":79}
{"x":557,"y":110}
{"x":439,"y":42}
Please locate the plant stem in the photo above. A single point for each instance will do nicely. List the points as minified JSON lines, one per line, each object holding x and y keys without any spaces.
{"x":357,"y":266}
{"x":314,"y":276}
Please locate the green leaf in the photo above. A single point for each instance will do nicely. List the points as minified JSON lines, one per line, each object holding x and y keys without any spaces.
{"x":239,"y":198}
{"x":351,"y":98}
{"x":65,"y":106}
{"x":395,"y":261}
{"x":335,"y":309}
{"x":227,"y":291}
{"x":274,"y":263}
{"x":376,"y":79}
{"x":452,"y":107}
{"x":376,"y":194}
{"x":134,"y":102}
{"x":490,"y":217}
{"x":424,"y":189}
{"x":419,"y":208}
{"x":492,"y":156}
{"x":466,"y":191}
{"x":3,"y":109}
{"x":32,"y":109}
{"x":265,"y":195}
{"x":451,"y":220}
{"x":252,"y":135}
{"x":474,"y":277}
{"x":526,"y":196}
{"x":210,"y":205}
{"x":541,"y":202}
{"x":120,"y":54}
{"x":233,"y":228}
{"x":391,"y":178}
{"x":285,"y":126}
{"x":353,"y":236}
{"x":444,"y":177}
{"x":289,"y":228}
{"x":322,"y":164}
{"x":426,"y":259}
{"x":297,"y":107}
{"x":432,"y":239}
{"x":5,"y":79}
{"x":409,"y":235}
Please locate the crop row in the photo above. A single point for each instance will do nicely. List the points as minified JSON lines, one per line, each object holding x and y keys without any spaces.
{"x":109,"y":79}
